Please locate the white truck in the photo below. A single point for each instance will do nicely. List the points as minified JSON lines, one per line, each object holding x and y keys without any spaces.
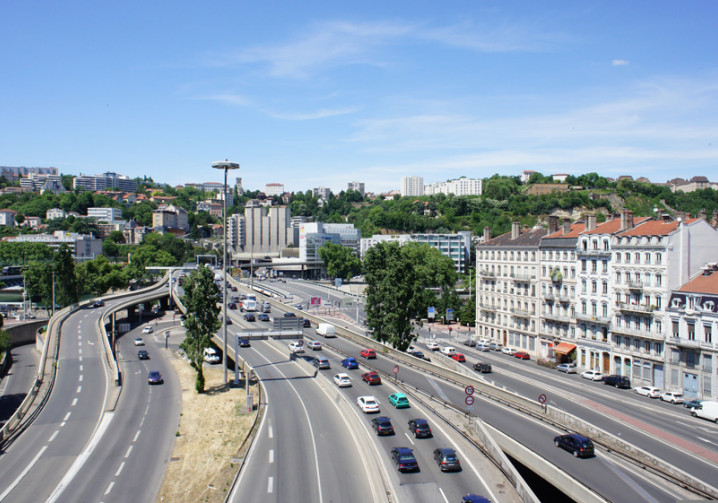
{"x":249,"y":303}
{"x":326,"y":330}
{"x":447,"y":350}
{"x":210,"y":355}
{"x":707,"y":410}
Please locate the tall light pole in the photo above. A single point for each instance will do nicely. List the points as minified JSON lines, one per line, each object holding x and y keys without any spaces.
{"x":226,"y":166}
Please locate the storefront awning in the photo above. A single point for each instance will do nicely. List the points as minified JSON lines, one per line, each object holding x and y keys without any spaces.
{"x":564,"y":348}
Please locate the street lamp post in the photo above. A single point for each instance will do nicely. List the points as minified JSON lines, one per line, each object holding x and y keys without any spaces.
{"x":226,"y":166}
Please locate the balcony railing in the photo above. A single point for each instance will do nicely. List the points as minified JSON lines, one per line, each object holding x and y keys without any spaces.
{"x":522,"y":276}
{"x":636,"y":308}
{"x":557,"y":317}
{"x":560,"y":297}
{"x":635,"y":285}
{"x":523,"y":313}
{"x":636,"y":332}
{"x":603,"y":320}
{"x":688,"y":343}
{"x":484,"y":273}
{"x":593,"y":253}
{"x":487,"y":306}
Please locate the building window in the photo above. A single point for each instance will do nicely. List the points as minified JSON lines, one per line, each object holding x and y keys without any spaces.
{"x":618,"y":277}
{"x":594,"y":287}
{"x":647,"y":346}
{"x":594,"y":266}
{"x":659,"y":280}
{"x":708,"y":332}
{"x":637,"y":258}
{"x":604,"y":310}
{"x":604,"y":288}
{"x":676,"y":329}
{"x":618,"y":258}
{"x":583,"y":266}
{"x":659,"y":258}
{"x":604,"y":266}
{"x":627,"y":257}
{"x":658,"y":347}
{"x":675,"y":356}
{"x":708,"y":363}
{"x":691,"y":331}
{"x":605,"y":245}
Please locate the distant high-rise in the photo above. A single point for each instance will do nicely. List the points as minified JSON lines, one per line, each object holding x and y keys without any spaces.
{"x":358,"y":186}
{"x":321,"y":193}
{"x":459,"y":187}
{"x":238,"y":186}
{"x":412,"y":186}
{"x":104,"y":182}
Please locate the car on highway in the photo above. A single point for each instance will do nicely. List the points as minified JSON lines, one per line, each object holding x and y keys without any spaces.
{"x":139,"y":341}
{"x":578,"y":445}
{"x":507,"y":351}
{"x":433,"y":346}
{"x":459,"y":357}
{"x":322,"y":363}
{"x":147,"y":330}
{"x":474,"y":498}
{"x":404,"y":459}
{"x":649,"y":391}
{"x":399,"y":401}
{"x":306,"y":323}
{"x":98,"y":303}
{"x":382,"y":425}
{"x":371,"y":378}
{"x":447,"y":459}
{"x":314,"y":345}
{"x":244,"y":342}
{"x":420,"y":355}
{"x":593,"y":375}
{"x":420,"y":428}
{"x":482,"y":367}
{"x":672,"y":396}
{"x":623,"y":382}
{"x":154,"y":377}
{"x":350,"y":363}
{"x":142,"y":354}
{"x":231,"y":305}
{"x":249,"y":317}
{"x":368,"y":353}
{"x":368,"y":404}
{"x":296,"y":347}
{"x":522,"y":355}
{"x":689,"y":404}
{"x":342,"y":380}
{"x":290,"y":315}
{"x":569,"y":368}
{"x":469,"y":342}
{"x":262,"y":317}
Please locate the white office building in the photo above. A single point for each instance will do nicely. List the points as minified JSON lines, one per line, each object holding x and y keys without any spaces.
{"x":455,"y":246}
{"x":459,"y":187}
{"x":82,"y":246}
{"x":274,"y":189}
{"x":105,"y":214}
{"x":412,"y":186}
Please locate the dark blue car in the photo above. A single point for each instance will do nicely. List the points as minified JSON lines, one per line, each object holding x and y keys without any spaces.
{"x":263,"y":317}
{"x":404,"y":459}
{"x":350,"y":363}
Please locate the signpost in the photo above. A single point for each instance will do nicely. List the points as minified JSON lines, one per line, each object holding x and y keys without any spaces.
{"x":432,"y":313}
{"x":449,"y":315}
{"x":315,"y":301}
{"x":469,"y":400}
{"x":396,"y":371}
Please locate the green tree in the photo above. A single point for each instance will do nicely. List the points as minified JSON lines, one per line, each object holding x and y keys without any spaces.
{"x":399,"y":288}
{"x":200,"y":299}
{"x":110,"y":248}
{"x":340,"y":261}
{"x":65,"y":278}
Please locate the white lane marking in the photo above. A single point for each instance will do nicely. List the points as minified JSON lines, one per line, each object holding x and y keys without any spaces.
{"x":443,"y":495}
{"x":629,"y":481}
{"x":435,"y":385}
{"x":22,"y":474}
{"x":79,"y":388}
{"x":109,"y":488}
{"x":136,"y":435}
{"x":52,"y":437}
{"x":270,"y":433}
{"x":80,"y":351}
{"x":129,"y":450}
{"x":81,"y":369}
{"x":407,"y":436}
{"x":83,"y":457}
{"x":63,"y":424}
{"x":81,"y":377}
{"x":67,"y":416}
{"x":706,"y":440}
{"x":74,"y":402}
{"x":80,"y":358}
{"x":270,"y":485}
{"x":271,"y":456}
{"x":119,"y":470}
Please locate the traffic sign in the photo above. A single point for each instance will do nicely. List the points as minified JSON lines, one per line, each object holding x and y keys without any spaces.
{"x":449,"y":315}
{"x":315,"y":301}
{"x":396,"y":369}
{"x":542,"y":398}
{"x":432,"y":313}
{"x":469,"y":390}
{"x":469,"y":400}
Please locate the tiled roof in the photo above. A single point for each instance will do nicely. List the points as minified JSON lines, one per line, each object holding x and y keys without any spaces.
{"x":527,"y":237}
{"x":655,"y":228}
{"x":576,"y":229}
{"x":614,"y":225}
{"x":702,"y":284}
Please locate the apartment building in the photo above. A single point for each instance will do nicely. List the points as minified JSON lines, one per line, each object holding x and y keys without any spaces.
{"x":322,"y":193}
{"x":507,"y":302}
{"x":274,"y":189}
{"x":170,"y":218}
{"x":358,"y":186}
{"x":455,"y":246}
{"x":459,"y":187}
{"x":105,"y":214}
{"x":105,"y":181}
{"x":412,"y":186}
{"x":82,"y":246}
{"x":267,"y":229}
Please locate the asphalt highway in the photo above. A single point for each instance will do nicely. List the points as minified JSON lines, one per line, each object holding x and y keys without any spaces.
{"x":19,"y":379}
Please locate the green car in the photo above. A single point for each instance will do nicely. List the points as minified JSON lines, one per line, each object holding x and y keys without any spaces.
{"x":399,"y":400}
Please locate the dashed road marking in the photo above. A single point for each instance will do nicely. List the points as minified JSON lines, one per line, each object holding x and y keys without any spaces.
{"x":67,"y":416}
{"x":119,"y":470}
{"x":136,"y":435}
{"x":52,"y":437}
{"x":129,"y":450}
{"x":270,"y":485}
{"x":271,"y":455}
{"x":410,"y":439}
{"x":270,"y":432}
{"x":109,"y":488}
{"x":74,"y":402}
{"x":79,"y":388}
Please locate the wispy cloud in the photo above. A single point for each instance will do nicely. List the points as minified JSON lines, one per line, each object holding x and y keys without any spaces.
{"x":230,"y":99}
{"x":319,"y":114}
{"x":620,"y":62}
{"x":501,"y":37}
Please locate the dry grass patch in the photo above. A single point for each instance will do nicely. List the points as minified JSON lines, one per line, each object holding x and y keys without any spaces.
{"x":212,"y":429}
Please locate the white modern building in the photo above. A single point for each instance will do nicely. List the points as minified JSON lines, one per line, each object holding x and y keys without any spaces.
{"x":274,"y":189}
{"x":105,"y":214}
{"x":459,"y":187}
{"x":358,"y":186}
{"x":7,"y":218}
{"x":54,"y":213}
{"x":82,"y":246}
{"x":455,"y":246}
{"x":322,"y":193}
{"x":412,"y":186}
{"x":105,"y":181}
{"x":313,"y":235}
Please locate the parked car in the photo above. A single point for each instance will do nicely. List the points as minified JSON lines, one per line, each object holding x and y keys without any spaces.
{"x":368,"y":353}
{"x":368,"y":404}
{"x":420,"y":428}
{"x":522,"y":355}
{"x":496,"y":346}
{"x":707,"y":410}
{"x":459,"y":357}
{"x":623,"y":382}
{"x":569,"y":368}
{"x":447,"y":460}
{"x":593,"y":375}
{"x":507,"y":351}
{"x":404,"y":459}
{"x":382,"y":425}
{"x":578,"y":445}
{"x":483,"y":348}
{"x":689,"y":404}
{"x":350,"y":363}
{"x":469,"y":342}
{"x":142,"y":354}
{"x":433,"y":346}
{"x":399,"y":401}
{"x":371,"y":378}
{"x":649,"y":391}
{"x":342,"y":380}
{"x":154,"y":377}
{"x":672,"y":396}
{"x":484,"y":368}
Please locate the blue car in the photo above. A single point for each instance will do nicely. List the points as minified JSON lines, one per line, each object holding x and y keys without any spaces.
{"x":350,"y":363}
{"x":263,"y":317}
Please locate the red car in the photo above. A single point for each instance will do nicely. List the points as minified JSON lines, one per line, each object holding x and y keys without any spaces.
{"x":459,"y":357}
{"x":371,"y":378}
{"x":522,"y":355}
{"x":368,"y":353}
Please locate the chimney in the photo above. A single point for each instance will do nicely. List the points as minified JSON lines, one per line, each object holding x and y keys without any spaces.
{"x":626,"y":220}
{"x":487,"y":234}
{"x":515,"y":230}
{"x":552,"y":224}
{"x":590,"y":222}
{"x":566,"y":226}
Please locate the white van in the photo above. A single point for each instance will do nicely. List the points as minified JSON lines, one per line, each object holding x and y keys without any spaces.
{"x":210,"y":355}
{"x":448,"y":350}
{"x":326,"y":330}
{"x":707,"y":410}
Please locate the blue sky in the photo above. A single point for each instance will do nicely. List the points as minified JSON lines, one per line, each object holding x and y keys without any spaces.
{"x":321,"y":93}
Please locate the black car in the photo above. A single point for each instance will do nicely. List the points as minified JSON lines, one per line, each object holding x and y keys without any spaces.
{"x":474,"y":498}
{"x":484,"y":368}
{"x":447,"y":460}
{"x":98,"y":303}
{"x":142,"y":354}
{"x":404,"y":459}
{"x":306,"y":323}
{"x":382,"y":425}
{"x":155,"y":377}
{"x":249,"y":317}
{"x":244,"y":343}
{"x":420,"y":428}
{"x":263,"y":317}
{"x":290,"y":315}
{"x":580,"y":446}
{"x":231,"y":305}
{"x":689,"y":404}
{"x":623,"y":382}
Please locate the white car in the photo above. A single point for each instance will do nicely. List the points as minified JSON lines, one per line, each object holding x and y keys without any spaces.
{"x":648,"y":391}
{"x":139,"y":341}
{"x":342,"y":380}
{"x":507,"y":351}
{"x":484,"y":348}
{"x":296,"y":347}
{"x":314,"y":345}
{"x":672,"y":396}
{"x":594,"y":375}
{"x":368,"y":404}
{"x":147,"y":330}
{"x":433,"y":346}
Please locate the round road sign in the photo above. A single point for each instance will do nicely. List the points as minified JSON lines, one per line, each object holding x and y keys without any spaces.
{"x":469,"y":390}
{"x":396,"y":369}
{"x":469,"y":400}
{"x":542,"y":398}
